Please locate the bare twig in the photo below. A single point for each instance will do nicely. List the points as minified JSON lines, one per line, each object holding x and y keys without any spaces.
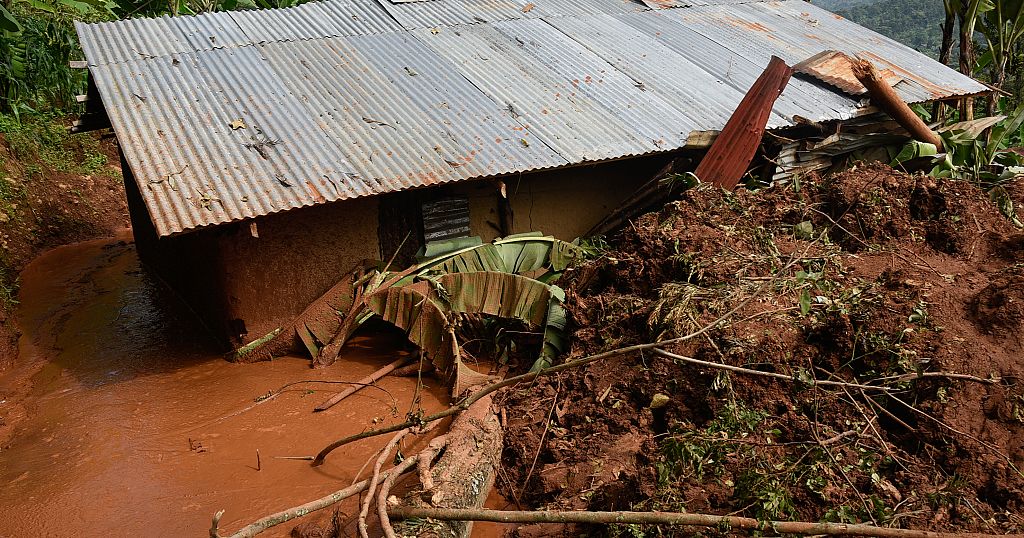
{"x":540,"y":445}
{"x":669,"y":518}
{"x":384,"y":453}
{"x":774,"y":375}
{"x":272,"y":520}
{"x":216,"y":524}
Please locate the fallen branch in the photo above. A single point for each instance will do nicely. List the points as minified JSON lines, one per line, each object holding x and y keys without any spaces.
{"x":272,"y":520}
{"x":432,"y":450}
{"x":384,"y":453}
{"x":364,"y":382}
{"x":669,"y":518}
{"x":741,"y":370}
{"x":262,"y":524}
{"x":883,"y":96}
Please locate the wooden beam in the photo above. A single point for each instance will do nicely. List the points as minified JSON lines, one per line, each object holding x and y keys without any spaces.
{"x":78,"y":64}
{"x":883,"y":96}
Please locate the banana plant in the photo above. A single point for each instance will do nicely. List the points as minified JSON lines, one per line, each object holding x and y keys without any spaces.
{"x":1002,"y":28}
{"x":36,"y":41}
{"x":458,"y":276}
{"x":533,"y":256}
{"x":427,"y":310}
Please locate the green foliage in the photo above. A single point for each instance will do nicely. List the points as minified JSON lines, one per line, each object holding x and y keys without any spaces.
{"x":912,"y":22}
{"x":8,"y":290}
{"x":698,"y":453}
{"x":35,"y":50}
{"x":42,"y":139}
{"x":986,"y":159}
{"x":38,"y":39}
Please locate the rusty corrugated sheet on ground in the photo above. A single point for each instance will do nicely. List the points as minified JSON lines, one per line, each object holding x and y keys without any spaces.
{"x":234,"y":115}
{"x":730,"y":155}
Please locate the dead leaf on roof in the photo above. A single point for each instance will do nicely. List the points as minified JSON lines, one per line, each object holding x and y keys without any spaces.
{"x":372,"y":121}
{"x":237,"y":124}
{"x":528,"y":7}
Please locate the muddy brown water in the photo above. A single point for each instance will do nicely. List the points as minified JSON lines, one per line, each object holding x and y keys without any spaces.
{"x":132,"y":424}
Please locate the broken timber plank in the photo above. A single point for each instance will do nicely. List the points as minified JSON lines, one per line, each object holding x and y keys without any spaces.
{"x":734,"y":148}
{"x":372,"y":378}
{"x":883,"y":96}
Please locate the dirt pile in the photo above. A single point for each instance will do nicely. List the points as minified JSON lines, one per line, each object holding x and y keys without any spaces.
{"x":870,"y":277}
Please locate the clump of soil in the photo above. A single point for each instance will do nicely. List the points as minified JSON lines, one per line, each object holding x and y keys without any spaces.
{"x":870,"y":276}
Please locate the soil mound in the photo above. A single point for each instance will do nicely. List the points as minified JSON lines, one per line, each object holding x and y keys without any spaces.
{"x":868,"y":277}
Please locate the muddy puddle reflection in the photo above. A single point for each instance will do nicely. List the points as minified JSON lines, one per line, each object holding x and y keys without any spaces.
{"x":131,"y":426}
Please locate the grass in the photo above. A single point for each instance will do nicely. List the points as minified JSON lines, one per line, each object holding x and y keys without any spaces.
{"x":34,"y":149}
{"x":44,"y":139}
{"x":8,"y":290}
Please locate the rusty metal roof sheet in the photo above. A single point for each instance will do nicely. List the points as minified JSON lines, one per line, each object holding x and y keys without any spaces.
{"x":234,"y":115}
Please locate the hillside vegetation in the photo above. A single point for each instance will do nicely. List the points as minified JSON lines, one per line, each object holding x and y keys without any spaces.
{"x":916,"y":23}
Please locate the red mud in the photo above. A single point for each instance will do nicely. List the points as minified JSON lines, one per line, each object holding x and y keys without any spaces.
{"x":129,"y":425}
{"x":918,"y":275}
{"x":52,"y":208}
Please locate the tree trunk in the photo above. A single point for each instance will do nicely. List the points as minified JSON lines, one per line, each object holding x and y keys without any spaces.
{"x":945,"y":51}
{"x":967,"y":63}
{"x":465,"y":473}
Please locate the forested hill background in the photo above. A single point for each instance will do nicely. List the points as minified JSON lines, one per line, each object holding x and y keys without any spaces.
{"x":913,"y":22}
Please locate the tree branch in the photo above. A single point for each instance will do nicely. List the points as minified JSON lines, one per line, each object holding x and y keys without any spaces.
{"x":669,"y":518}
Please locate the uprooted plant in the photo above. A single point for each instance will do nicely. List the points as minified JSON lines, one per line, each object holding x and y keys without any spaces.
{"x":454,"y":284}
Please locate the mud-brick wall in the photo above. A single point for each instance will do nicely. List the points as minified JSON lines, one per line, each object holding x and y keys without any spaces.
{"x":243,"y":285}
{"x":298,"y":256}
{"x":563,"y":203}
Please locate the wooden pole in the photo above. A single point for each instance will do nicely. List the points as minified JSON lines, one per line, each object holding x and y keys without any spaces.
{"x":883,"y":96}
{"x":372,"y":378}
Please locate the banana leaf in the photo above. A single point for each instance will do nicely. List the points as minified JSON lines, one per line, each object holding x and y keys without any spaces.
{"x":426,"y":311}
{"x":554,"y":330}
{"x":521,"y":253}
{"x":8,"y":22}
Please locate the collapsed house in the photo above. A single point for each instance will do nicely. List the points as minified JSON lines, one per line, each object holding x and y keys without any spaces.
{"x":266,"y":153}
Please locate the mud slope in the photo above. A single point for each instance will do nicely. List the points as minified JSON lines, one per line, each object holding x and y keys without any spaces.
{"x":862,"y":277}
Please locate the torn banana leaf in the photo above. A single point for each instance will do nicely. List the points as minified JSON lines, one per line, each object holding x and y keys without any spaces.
{"x":426,"y":311}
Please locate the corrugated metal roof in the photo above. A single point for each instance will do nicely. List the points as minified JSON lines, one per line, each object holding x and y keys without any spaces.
{"x":227,"y":116}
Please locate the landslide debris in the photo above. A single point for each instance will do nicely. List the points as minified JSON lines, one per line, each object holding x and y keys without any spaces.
{"x":861,"y":277}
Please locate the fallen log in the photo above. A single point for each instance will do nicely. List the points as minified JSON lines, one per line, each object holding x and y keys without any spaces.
{"x":670,"y":518}
{"x":884,"y":97}
{"x":465,"y":474}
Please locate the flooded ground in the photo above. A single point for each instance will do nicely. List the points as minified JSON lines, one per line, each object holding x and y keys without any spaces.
{"x":131,"y":426}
